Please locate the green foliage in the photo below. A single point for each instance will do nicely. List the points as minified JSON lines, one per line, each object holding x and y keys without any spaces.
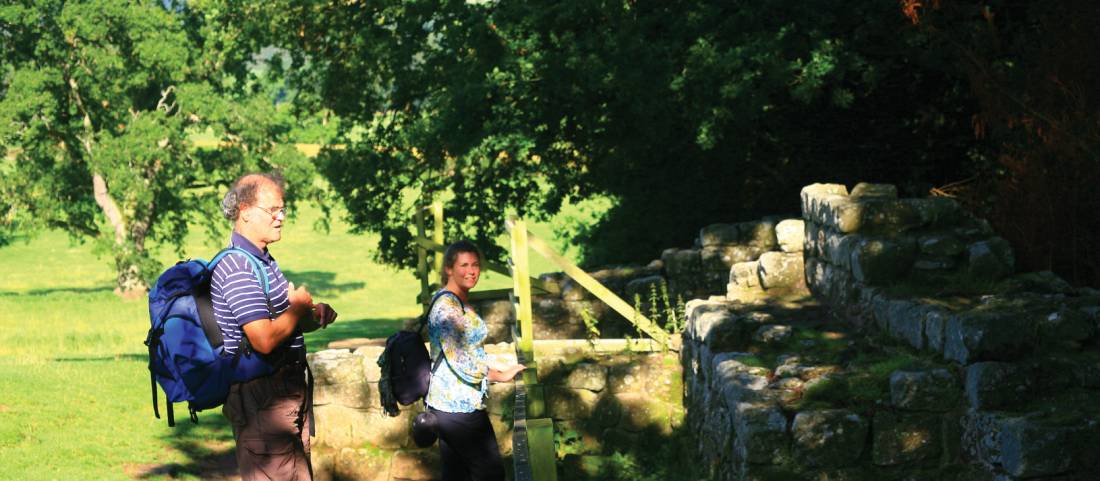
{"x":684,"y":113}
{"x":591,"y":326}
{"x":99,"y":98}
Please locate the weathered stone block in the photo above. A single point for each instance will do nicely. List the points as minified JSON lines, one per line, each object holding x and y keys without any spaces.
{"x":941,"y":244}
{"x":743,"y":275}
{"x":572,"y":291}
{"x":722,"y":332}
{"x":640,"y":412}
{"x":416,"y":465}
{"x":643,"y":287}
{"x":1029,"y":449}
{"x":592,"y":377}
{"x":981,"y":439}
{"x":937,"y":211}
{"x":737,"y":382}
{"x":889,"y":216}
{"x":905,"y":322}
{"x":548,"y":310}
{"x":994,"y":335}
{"x":791,"y":234}
{"x":864,"y":190}
{"x":618,"y":440}
{"x":813,"y":194}
{"x":814,"y":239}
{"x":1066,"y":325}
{"x":503,"y":432}
{"x":931,"y":390}
{"x":760,"y":433}
{"x":336,"y":366}
{"x":759,"y":234}
{"x":829,"y":438}
{"x":360,"y":465}
{"x":929,"y":265}
{"x":935,"y":322}
{"x":842,"y":214}
{"x":718,"y":235}
{"x":838,"y":249}
{"x":781,"y":270}
{"x":496,"y":312}
{"x":993,"y":385}
{"x":608,"y":412}
{"x":991,"y":259}
{"x":568,"y":404}
{"x":362,"y":395}
{"x":772,"y":334}
{"x":905,"y":438}
{"x":682,"y":262}
{"x":877,"y":261}
{"x":341,"y":426}
{"x":721,"y":258}
{"x":501,"y":397}
{"x":654,"y":375}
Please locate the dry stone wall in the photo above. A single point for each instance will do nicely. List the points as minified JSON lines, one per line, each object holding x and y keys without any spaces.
{"x":874,"y":338}
{"x":603,"y":398}
{"x":921,"y":354}
{"x":745,"y":259}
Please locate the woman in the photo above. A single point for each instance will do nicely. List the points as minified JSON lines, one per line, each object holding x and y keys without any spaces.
{"x":460,"y":385}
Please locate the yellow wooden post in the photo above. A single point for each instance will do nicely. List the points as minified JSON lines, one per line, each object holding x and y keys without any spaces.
{"x":437,"y":234}
{"x":522,"y":282}
{"x":422,"y":263}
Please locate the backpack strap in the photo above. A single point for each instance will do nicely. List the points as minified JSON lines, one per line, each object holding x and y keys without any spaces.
{"x":441,"y":293}
{"x":261,"y":276}
{"x":442,"y":353}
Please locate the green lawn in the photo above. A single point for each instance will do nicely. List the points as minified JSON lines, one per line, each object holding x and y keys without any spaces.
{"x":74,"y":389}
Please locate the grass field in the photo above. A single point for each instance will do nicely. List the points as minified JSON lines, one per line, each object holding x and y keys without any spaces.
{"x":74,"y":388}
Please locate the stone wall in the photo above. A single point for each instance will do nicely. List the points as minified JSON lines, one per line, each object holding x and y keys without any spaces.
{"x":920,"y":355}
{"x":764,"y":255}
{"x":603,"y":397}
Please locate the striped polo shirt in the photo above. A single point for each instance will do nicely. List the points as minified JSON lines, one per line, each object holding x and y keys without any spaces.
{"x":238,"y":297}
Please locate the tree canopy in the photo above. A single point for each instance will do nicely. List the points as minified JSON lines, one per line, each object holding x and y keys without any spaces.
{"x":683,"y":113}
{"x":98,"y":99}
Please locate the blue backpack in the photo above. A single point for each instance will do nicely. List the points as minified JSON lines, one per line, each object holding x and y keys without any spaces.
{"x":186,"y":352}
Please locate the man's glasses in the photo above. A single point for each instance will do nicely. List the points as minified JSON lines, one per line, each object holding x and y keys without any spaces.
{"x":273,"y":212}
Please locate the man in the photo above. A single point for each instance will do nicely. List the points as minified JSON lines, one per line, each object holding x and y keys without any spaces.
{"x":271,"y":414}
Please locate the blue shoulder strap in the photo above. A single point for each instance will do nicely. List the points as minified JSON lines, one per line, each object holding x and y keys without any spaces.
{"x":261,"y":274}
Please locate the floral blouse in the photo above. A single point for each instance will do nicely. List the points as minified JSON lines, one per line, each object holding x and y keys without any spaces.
{"x":461,"y":383}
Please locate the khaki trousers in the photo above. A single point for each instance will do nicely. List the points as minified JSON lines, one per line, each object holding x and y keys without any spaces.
{"x":270,"y":418}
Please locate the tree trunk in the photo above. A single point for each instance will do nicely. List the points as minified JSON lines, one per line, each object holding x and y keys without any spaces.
{"x":129,"y":246}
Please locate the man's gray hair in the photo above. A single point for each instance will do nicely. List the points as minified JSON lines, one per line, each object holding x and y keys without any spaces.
{"x":243,"y":192}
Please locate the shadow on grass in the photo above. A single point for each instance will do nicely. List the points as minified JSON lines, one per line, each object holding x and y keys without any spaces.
{"x":113,"y":357}
{"x":57,"y":290}
{"x":321,"y":283}
{"x":208,"y":448}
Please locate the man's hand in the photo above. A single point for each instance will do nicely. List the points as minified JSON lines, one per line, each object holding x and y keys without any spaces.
{"x":324,"y":314}
{"x":300,"y":299}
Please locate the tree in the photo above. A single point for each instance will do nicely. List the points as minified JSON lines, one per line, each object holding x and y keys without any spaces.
{"x":1032,"y":68}
{"x":683,"y":113}
{"x":97,"y":101}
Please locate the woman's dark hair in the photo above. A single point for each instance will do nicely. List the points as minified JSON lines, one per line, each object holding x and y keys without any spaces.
{"x":451,"y":255}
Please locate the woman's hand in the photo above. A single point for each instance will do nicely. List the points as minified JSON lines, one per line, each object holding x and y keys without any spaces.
{"x":506,"y":374}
